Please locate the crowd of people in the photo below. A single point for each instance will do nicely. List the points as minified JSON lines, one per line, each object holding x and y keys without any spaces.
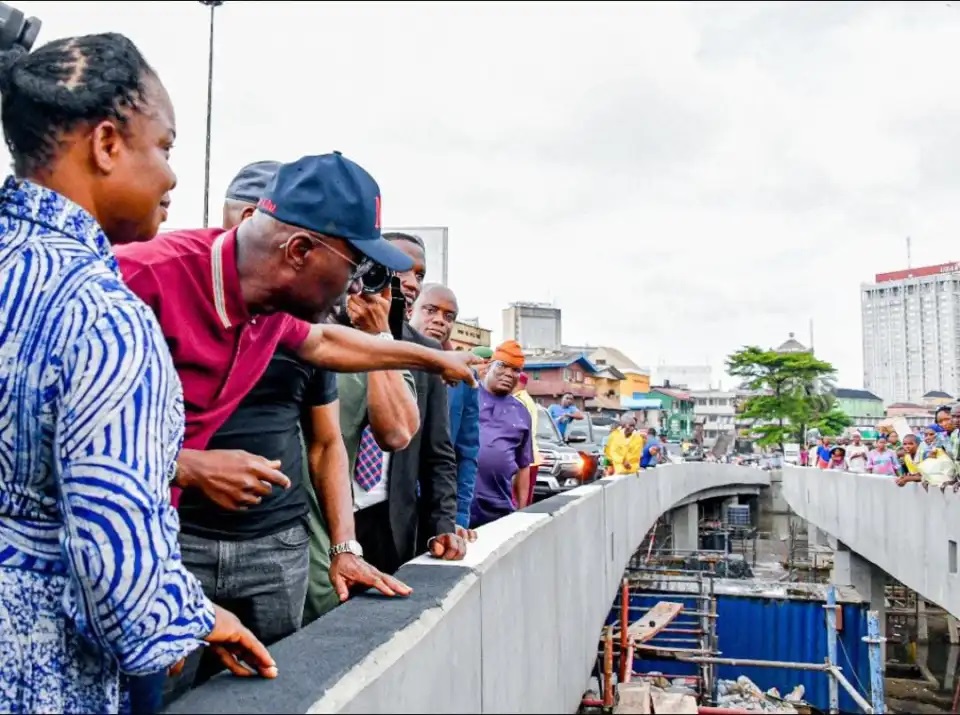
{"x":929,"y":456}
{"x":210,"y":438}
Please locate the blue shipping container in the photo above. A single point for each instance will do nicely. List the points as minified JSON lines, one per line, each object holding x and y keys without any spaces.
{"x":771,"y":629}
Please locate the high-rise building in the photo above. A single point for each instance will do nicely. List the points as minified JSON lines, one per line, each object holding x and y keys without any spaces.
{"x":536,"y":326}
{"x":911,"y":332}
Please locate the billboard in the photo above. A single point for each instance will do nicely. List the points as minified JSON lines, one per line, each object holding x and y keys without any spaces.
{"x":435,"y":239}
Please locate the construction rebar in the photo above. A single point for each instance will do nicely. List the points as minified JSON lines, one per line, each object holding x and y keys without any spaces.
{"x":608,"y":668}
{"x":624,"y":627}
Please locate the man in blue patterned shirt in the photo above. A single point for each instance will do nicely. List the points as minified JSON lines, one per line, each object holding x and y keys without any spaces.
{"x":91,"y":413}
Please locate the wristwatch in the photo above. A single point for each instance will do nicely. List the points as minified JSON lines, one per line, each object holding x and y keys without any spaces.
{"x":385,"y":335}
{"x":347,"y":547}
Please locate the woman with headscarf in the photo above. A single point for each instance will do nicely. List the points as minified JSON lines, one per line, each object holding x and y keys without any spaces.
{"x":91,"y":412}
{"x":838,"y":460}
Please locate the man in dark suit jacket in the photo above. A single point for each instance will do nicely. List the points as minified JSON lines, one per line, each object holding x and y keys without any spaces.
{"x":422,"y":478}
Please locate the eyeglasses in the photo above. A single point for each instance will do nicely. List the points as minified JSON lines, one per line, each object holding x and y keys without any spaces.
{"x":359,"y":269}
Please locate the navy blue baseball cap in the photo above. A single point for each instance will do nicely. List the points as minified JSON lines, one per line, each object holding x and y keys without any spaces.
{"x":251,"y":181}
{"x":333,"y":196}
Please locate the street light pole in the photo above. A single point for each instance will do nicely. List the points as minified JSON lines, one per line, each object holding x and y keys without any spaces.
{"x":213,"y":5}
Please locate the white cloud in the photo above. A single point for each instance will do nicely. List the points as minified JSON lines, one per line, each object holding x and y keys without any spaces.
{"x":681,"y":178}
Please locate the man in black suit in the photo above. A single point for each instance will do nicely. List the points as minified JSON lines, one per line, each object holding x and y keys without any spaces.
{"x":413,"y":506}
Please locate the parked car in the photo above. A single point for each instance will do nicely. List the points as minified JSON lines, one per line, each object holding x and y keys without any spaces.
{"x":561,"y":467}
{"x":587,"y":438}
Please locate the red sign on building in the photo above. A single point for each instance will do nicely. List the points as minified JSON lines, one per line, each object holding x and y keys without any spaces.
{"x":918,"y":272}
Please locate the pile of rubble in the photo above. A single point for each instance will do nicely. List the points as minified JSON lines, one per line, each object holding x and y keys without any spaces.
{"x":743,"y":694}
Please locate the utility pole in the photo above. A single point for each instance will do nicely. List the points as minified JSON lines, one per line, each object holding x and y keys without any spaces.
{"x":213,"y":5}
{"x":909,"y":257}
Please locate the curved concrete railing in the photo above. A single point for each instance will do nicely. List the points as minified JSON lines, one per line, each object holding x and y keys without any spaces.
{"x":908,"y":532}
{"x":513,"y":628}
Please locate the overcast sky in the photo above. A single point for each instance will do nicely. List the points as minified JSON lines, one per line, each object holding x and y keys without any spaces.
{"x":681,"y":179}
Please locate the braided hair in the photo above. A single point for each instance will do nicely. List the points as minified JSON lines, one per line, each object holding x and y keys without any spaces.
{"x":65,"y":83}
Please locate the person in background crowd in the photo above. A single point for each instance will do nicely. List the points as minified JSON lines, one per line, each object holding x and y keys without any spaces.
{"x":857,"y":455}
{"x":257,"y":559}
{"x":931,"y":440}
{"x":893,"y":441}
{"x":653,"y":440}
{"x":485,"y":353}
{"x":823,"y":452}
{"x":838,"y":459}
{"x":651,"y":455}
{"x":520,"y":392}
{"x":277,"y":269}
{"x":908,"y":471}
{"x":506,"y":441}
{"x":803,"y":458}
{"x":91,"y":582}
{"x":434,"y":315}
{"x":564,"y":413}
{"x":881,"y":459}
{"x":624,"y":448}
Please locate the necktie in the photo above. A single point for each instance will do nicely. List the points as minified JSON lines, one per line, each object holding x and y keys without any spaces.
{"x":369,"y":469}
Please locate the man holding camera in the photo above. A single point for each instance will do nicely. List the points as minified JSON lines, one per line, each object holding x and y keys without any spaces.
{"x":404,"y":490}
{"x":257,"y":558}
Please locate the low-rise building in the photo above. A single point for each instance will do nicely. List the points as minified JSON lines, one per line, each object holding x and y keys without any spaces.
{"x":467,"y":335}
{"x":863,"y":408}
{"x":717,"y":409}
{"x":552,"y":375}
{"x":607,"y":397}
{"x":677,"y":407}
{"x":636,"y":380}
{"x":936,"y":398}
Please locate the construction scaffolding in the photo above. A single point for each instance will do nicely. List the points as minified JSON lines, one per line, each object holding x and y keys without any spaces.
{"x":649,"y":608}
{"x":647,"y":614}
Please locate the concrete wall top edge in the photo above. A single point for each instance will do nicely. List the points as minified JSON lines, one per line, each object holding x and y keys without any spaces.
{"x":339,"y":662}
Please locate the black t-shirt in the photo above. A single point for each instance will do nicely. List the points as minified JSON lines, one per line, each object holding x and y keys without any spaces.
{"x":266,"y":423}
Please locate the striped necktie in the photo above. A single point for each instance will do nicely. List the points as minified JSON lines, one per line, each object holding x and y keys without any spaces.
{"x":369,"y":469}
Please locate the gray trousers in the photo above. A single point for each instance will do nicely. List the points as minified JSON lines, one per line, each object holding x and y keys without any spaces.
{"x":263,"y":581}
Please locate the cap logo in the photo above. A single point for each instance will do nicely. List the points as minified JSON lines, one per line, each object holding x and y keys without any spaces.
{"x":267,"y":205}
{"x":376,"y":223}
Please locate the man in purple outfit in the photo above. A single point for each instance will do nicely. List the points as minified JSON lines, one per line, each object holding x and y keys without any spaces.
{"x":506,"y":441}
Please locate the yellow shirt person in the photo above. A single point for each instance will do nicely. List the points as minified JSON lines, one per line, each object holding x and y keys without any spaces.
{"x":625,"y":448}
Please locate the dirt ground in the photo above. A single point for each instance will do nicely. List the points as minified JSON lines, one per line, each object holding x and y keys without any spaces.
{"x":915,"y":696}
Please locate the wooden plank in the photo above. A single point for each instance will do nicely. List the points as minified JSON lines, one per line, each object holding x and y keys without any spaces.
{"x":673,"y":704}
{"x":634,"y":698}
{"x":653,"y":621}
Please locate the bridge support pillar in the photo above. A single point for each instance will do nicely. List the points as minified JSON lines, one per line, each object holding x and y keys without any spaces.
{"x":685,"y":525}
{"x":850,"y":569}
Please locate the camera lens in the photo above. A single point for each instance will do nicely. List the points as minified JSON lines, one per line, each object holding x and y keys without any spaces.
{"x":376,"y":279}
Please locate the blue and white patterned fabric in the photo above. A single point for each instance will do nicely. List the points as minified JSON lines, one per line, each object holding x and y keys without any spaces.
{"x":91,"y":420}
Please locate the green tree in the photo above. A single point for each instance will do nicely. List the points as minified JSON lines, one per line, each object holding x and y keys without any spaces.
{"x":792,"y":392}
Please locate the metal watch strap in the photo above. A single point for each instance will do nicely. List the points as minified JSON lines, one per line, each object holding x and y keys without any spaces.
{"x":346,"y":547}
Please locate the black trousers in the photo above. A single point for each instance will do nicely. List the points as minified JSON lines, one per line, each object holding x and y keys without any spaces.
{"x":376,"y":537}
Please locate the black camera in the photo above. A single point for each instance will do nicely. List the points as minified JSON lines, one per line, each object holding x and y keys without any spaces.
{"x":376,"y":279}
{"x":16,"y":29}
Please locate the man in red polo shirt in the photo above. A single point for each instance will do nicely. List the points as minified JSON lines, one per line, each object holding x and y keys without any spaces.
{"x":226,"y":300}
